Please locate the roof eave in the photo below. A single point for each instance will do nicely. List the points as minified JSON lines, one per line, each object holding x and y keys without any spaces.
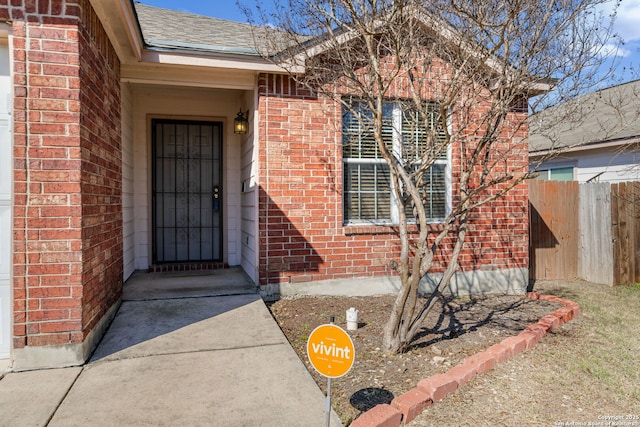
{"x":198,"y":58}
{"x":540,"y":88}
{"x":120,"y":21}
{"x":530,"y":88}
{"x":633,"y":140}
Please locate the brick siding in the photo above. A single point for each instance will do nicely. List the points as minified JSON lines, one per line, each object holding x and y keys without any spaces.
{"x":67,"y":178}
{"x":101,"y":179}
{"x":302,"y":236}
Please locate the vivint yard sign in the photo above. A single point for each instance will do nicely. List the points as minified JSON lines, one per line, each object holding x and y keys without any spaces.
{"x":330,"y":351}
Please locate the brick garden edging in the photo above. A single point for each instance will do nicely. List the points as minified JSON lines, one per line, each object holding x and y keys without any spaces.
{"x":404,"y":408}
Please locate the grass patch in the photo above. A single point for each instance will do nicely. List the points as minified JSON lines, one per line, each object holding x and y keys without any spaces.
{"x":595,"y":368}
{"x":585,"y":370}
{"x":608,"y":347}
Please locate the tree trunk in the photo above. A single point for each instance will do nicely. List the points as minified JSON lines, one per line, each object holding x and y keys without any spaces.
{"x":403,"y":323}
{"x":396,"y":337}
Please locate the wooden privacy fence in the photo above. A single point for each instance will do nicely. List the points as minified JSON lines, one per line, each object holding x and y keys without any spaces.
{"x":590,"y":231}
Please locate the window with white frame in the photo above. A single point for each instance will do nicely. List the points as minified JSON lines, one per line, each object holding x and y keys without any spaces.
{"x":564,"y":173}
{"x":368,"y":196}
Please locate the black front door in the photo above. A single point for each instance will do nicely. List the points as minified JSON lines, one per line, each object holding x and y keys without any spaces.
{"x":187,"y":191}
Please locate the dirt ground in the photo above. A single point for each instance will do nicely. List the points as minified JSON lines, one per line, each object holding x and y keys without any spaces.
{"x":583,"y":373}
{"x":457,"y":329}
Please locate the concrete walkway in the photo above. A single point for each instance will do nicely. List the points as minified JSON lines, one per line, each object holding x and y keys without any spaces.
{"x":198,"y":350}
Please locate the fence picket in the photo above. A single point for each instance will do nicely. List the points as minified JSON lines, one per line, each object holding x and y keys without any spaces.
{"x":591,"y":231}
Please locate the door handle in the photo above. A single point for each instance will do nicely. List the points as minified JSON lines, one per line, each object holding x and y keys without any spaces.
{"x":216,"y":198}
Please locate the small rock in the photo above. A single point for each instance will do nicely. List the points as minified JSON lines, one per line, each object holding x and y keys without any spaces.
{"x":437,"y":360}
{"x":436,"y":350}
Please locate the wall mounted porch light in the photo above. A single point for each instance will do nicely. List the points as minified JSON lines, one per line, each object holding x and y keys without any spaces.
{"x":241,"y":123}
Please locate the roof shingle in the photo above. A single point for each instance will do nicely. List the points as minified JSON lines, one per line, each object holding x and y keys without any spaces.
{"x":170,"y":29}
{"x":608,"y":115}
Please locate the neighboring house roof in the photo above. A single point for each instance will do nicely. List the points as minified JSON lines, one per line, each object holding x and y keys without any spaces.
{"x":606,"y":117}
{"x":173,"y":30}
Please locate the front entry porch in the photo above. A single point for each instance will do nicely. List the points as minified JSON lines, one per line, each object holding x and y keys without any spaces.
{"x":188,"y":180}
{"x":187,"y":284}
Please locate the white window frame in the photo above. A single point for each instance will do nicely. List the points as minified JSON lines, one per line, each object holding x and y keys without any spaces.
{"x":397,"y":150}
{"x":545,"y":172}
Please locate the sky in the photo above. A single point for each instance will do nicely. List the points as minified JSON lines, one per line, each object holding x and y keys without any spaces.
{"x":223,"y":9}
{"x":627,"y":26}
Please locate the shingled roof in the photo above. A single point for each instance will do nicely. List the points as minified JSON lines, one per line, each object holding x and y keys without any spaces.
{"x":173,"y":30}
{"x":610,"y":115}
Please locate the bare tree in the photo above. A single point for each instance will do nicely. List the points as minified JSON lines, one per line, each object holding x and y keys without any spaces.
{"x":421,"y":81}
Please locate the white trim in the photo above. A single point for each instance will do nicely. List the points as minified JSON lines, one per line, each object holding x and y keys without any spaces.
{"x":135,"y":37}
{"x":212,"y":61}
{"x":547,"y":171}
{"x":586,"y":147}
{"x":183,"y":76}
{"x":394,"y":214}
{"x":120,"y":22}
{"x":6,"y":194}
{"x":396,"y":138}
{"x":448,"y":170}
{"x":443,"y":29}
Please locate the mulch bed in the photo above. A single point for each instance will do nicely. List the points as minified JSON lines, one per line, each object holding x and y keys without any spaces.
{"x":456,"y":329}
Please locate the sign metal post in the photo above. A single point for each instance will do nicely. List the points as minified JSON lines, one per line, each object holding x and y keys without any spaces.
{"x":331,"y":353}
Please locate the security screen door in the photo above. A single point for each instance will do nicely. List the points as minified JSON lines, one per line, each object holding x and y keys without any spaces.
{"x":187,"y":191}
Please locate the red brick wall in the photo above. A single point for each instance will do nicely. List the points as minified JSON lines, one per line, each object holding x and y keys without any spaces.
{"x":101,"y":178}
{"x":302,"y":236}
{"x":499,"y":231}
{"x":67,"y":172}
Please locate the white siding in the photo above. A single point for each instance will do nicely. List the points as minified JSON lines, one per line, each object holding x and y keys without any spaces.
{"x":602,"y":165}
{"x":616,"y":166}
{"x":249,"y":197}
{"x":6,"y":171}
{"x":128,"y":216}
{"x":185,"y":103}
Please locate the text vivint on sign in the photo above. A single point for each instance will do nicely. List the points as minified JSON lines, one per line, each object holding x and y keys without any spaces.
{"x":330,"y":351}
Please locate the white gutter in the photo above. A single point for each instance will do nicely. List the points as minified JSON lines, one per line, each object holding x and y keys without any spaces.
{"x":173,"y":57}
{"x":585,"y":147}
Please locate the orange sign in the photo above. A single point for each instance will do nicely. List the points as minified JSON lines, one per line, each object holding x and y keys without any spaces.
{"x":330,"y":351}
